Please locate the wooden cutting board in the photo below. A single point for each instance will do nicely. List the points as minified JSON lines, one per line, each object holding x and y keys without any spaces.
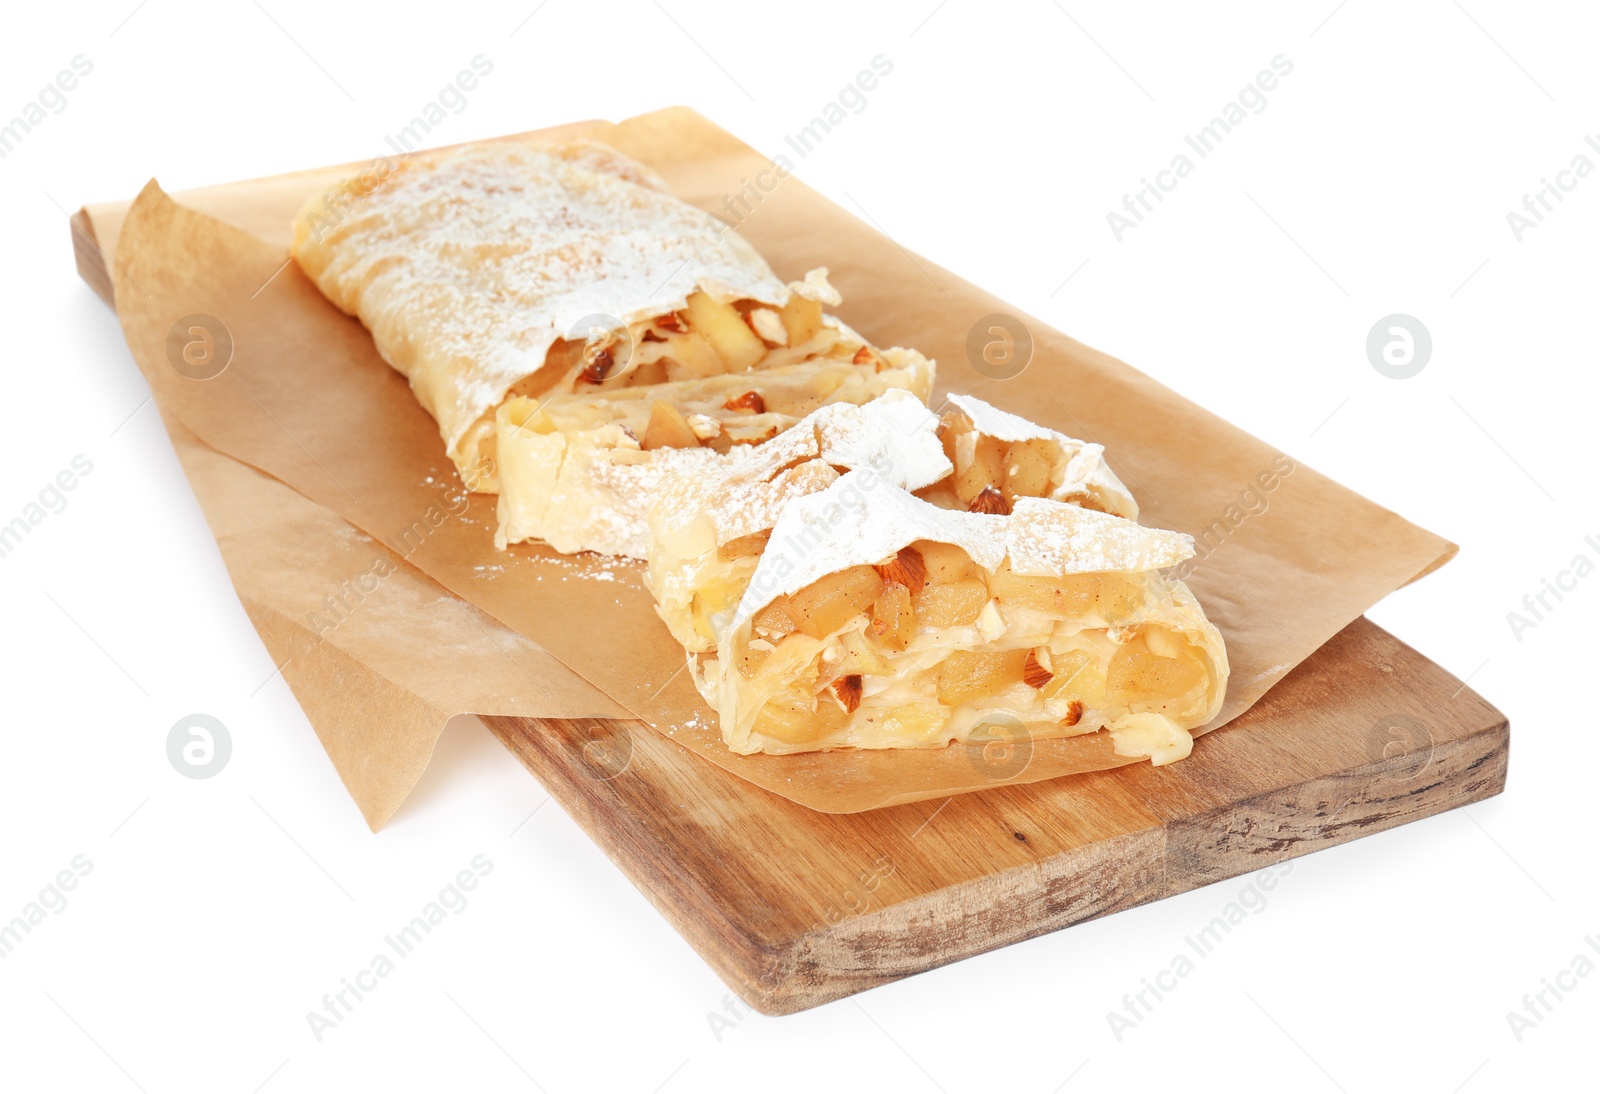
{"x":794,"y":908}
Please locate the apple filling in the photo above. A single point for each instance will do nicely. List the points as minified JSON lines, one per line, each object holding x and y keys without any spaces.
{"x":989,"y":475}
{"x":1012,"y":458}
{"x":580,"y":470}
{"x":928,"y":647}
{"x":706,"y":339}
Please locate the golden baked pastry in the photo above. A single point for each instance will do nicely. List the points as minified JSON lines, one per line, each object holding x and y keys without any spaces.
{"x":874,"y":619}
{"x":568,"y":273}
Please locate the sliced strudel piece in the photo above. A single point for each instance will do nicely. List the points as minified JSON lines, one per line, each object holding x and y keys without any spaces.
{"x":581,"y":471}
{"x":875,"y":619}
{"x":525,"y":269}
{"x":709,"y":527}
{"x":1000,"y":457}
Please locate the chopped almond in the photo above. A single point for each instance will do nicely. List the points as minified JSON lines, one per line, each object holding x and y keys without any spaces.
{"x":1034,"y":674}
{"x":672,"y":321}
{"x":767,"y":436}
{"x":990,"y":500}
{"x":907,"y":568}
{"x":768,"y":326}
{"x":848,"y":689}
{"x":750,"y":400}
{"x":597,"y":364}
{"x":1074,"y":713}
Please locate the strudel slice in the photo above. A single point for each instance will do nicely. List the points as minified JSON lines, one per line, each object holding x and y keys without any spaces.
{"x":1000,"y":457}
{"x":875,"y":619}
{"x":710,"y":526}
{"x":520,"y":268}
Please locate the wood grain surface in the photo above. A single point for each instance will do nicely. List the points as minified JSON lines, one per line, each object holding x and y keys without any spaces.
{"x":793,"y":908}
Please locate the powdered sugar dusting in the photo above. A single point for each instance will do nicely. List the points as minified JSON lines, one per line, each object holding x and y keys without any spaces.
{"x":1086,"y":471}
{"x":468,"y":264}
{"x":894,"y":435}
{"x":861,"y":520}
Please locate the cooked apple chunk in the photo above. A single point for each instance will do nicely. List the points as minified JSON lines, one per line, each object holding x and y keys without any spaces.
{"x":722,"y":325}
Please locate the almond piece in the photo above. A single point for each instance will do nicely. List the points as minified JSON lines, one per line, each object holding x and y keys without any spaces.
{"x":990,"y":500}
{"x":767,"y":436}
{"x":750,"y":400}
{"x":1074,"y":712}
{"x":1034,"y":674}
{"x":597,"y":363}
{"x":768,"y":326}
{"x":672,"y":321}
{"x":907,"y":568}
{"x":864,"y":356}
{"x":848,"y":689}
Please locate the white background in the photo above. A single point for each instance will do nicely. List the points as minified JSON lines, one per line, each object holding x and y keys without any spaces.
{"x":1377,"y":180}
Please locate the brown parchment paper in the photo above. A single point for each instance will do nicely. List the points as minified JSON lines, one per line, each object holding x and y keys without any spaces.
{"x":401,"y":654}
{"x":1290,"y":557}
